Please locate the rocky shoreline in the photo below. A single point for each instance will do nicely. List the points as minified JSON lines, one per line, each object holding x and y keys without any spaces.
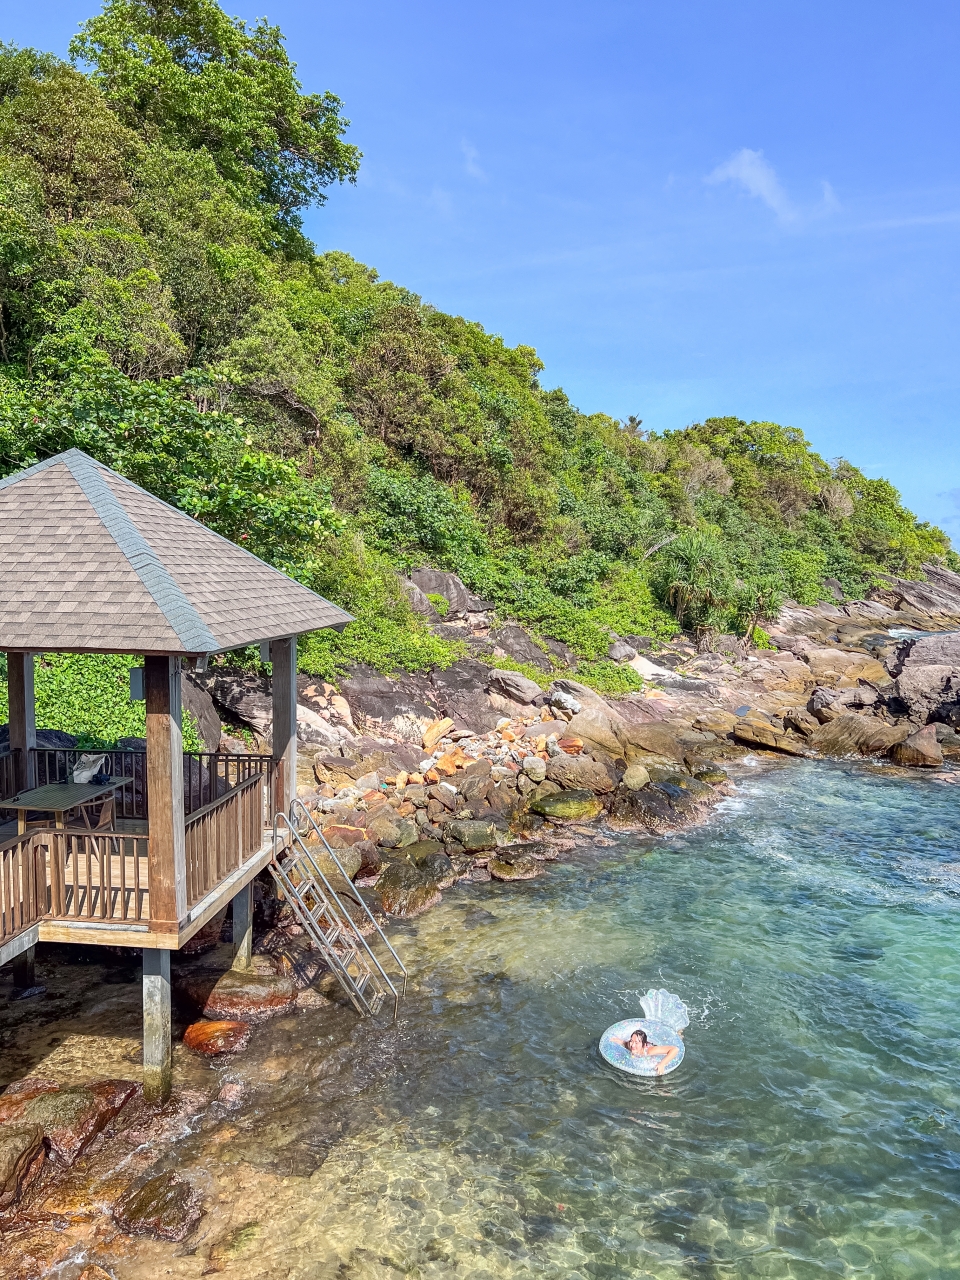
{"x":473,"y":775}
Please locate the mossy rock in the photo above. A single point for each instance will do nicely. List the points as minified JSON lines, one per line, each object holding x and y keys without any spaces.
{"x":566,"y":806}
{"x":406,"y":890}
{"x":520,"y":866}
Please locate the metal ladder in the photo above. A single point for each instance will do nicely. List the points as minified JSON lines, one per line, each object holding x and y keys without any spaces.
{"x":327,"y":921}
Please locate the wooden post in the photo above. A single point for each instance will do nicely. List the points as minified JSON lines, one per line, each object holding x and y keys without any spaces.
{"x":167,"y":843}
{"x":23,"y":715}
{"x":243,"y":927}
{"x":24,"y":970}
{"x":283,"y":655}
{"x":157,"y":1043}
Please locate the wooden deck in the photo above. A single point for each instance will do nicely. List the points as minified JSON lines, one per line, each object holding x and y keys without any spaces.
{"x":75,"y":885}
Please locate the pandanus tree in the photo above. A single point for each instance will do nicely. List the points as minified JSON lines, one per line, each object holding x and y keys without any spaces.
{"x":694,"y":578}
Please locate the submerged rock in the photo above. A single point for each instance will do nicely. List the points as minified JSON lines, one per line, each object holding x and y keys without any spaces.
{"x":165,"y":1206}
{"x":568,"y":805}
{"x":211,"y":1038}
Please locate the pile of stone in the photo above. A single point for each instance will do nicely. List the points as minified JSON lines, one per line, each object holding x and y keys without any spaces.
{"x":406,"y":823}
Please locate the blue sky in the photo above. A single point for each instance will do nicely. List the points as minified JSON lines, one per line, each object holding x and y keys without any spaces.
{"x":689,"y":209}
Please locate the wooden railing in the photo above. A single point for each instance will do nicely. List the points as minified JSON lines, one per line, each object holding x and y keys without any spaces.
{"x":69,"y":874}
{"x":10,"y":782}
{"x":23,"y":885}
{"x":207,"y":775}
{"x":56,"y":765}
{"x":222,"y":835}
{"x":97,"y":875}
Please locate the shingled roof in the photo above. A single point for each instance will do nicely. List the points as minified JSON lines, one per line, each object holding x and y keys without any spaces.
{"x":91,"y":563}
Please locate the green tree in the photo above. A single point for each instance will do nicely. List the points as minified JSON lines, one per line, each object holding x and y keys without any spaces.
{"x":201,"y":79}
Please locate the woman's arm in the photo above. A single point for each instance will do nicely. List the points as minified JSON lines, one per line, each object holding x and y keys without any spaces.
{"x":669,"y":1053}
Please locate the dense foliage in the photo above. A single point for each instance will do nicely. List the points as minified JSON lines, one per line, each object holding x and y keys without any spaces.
{"x":89,"y":696}
{"x":161,"y":309}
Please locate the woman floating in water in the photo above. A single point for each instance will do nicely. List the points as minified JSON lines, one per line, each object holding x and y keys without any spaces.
{"x":641,"y":1047}
{"x":652,"y":1045}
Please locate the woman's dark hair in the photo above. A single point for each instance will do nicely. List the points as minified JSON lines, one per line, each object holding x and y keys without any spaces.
{"x":641,"y":1033}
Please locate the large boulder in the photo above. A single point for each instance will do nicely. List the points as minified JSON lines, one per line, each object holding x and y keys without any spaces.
{"x":921,"y":749}
{"x":597,"y":729}
{"x":660,"y":739}
{"x":840,"y":669}
{"x":849,"y":734}
{"x":512,"y":640}
{"x":758,"y":734}
{"x":213,"y":1038}
{"x":566,"y":806}
{"x":649,"y":807}
{"x":513,"y":685}
{"x":460,"y":601}
{"x":404,"y":706}
{"x":460,"y":692}
{"x":636,"y":777}
{"x":474,"y":834}
{"x":197,"y":700}
{"x":246,"y":695}
{"x":72,"y":1116}
{"x":418,"y":600}
{"x":580,"y":773}
{"x":21,"y":1158}
{"x":237,"y":995}
{"x":406,"y":890}
{"x":922,"y":690}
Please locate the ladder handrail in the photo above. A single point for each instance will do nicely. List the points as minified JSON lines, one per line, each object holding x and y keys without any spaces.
{"x":356,"y":935}
{"x":298,"y":804}
{"x":329,"y":953}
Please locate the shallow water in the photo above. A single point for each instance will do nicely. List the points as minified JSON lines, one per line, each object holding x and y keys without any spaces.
{"x":813,"y":927}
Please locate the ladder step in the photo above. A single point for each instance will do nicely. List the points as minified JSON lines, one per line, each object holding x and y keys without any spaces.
{"x":341,"y":942}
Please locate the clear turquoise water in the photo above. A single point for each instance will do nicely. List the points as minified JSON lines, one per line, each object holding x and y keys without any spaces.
{"x":813,"y":1130}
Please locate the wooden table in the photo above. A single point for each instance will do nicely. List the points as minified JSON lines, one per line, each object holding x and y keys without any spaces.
{"x":59,"y":798}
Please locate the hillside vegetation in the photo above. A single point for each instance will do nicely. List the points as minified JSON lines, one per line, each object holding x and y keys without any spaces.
{"x":161,"y":308}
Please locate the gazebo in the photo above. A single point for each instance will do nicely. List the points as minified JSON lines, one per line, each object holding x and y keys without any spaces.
{"x":94,"y":564}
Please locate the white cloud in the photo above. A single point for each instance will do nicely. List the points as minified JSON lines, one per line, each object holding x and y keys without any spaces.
{"x":758,"y":178}
{"x":471,"y":158}
{"x":830,"y":202}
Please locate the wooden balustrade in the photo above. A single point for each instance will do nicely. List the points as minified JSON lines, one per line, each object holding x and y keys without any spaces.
{"x":57,"y":764}
{"x":10,"y":779}
{"x":207,"y":775}
{"x":222,"y":835}
{"x":23,"y":885}
{"x":96,"y":875}
{"x":76,"y":875}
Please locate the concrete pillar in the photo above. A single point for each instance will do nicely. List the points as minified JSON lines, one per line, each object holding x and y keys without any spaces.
{"x":23,"y":715}
{"x":157,"y":1044}
{"x":243,"y":927}
{"x":24,"y":970}
{"x":283,"y":656}
{"x":166,"y":849}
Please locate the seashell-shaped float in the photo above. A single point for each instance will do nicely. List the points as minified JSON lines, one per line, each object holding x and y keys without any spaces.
{"x":665,"y":1017}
